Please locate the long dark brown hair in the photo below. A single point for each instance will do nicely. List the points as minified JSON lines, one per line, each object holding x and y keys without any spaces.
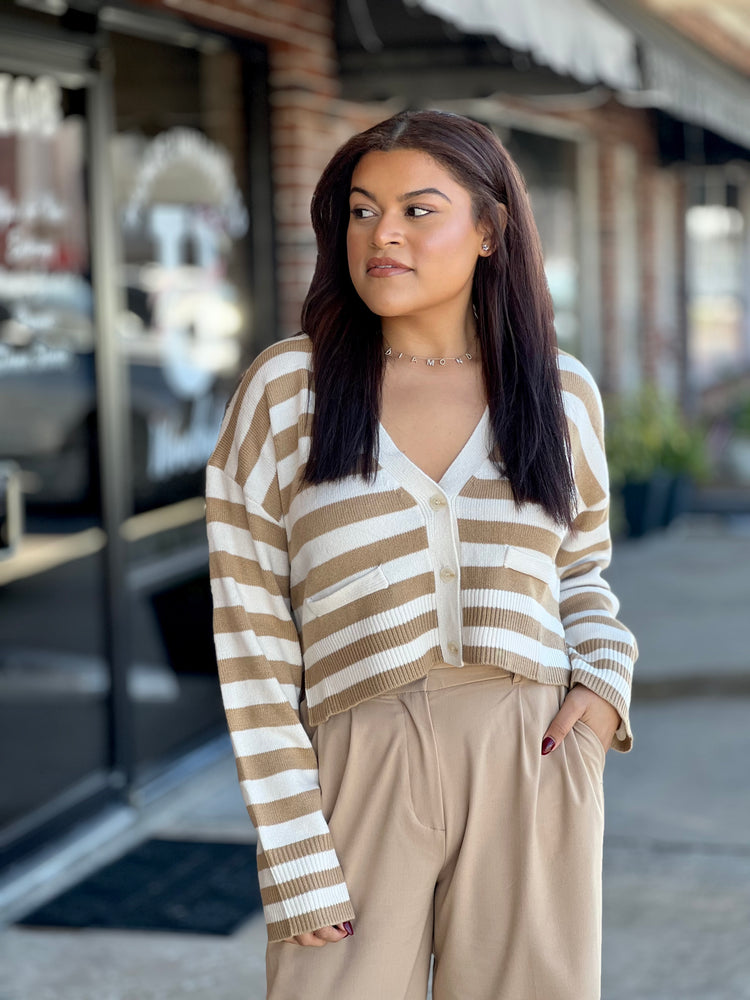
{"x":514,"y":318}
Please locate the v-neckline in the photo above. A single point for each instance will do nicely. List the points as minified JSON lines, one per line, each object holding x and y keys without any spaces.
{"x":463,"y":466}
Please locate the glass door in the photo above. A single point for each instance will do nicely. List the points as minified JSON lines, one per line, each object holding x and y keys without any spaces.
{"x":54,"y":673}
{"x":135,"y":234}
{"x":180,"y":167}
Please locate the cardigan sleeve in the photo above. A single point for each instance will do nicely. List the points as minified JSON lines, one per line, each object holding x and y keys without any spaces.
{"x":261,"y":674}
{"x":601,"y":649}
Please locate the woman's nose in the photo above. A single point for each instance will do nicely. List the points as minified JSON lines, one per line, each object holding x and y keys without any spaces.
{"x":387,"y":232}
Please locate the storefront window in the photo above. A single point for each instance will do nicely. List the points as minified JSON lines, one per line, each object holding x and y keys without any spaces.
{"x":113,"y":385}
{"x":181,"y":217}
{"x":179,"y":162}
{"x":54,"y":676}
{"x":716,"y":291}
{"x":548,"y":166}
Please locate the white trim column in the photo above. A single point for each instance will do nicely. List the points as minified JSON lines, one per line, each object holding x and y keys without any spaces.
{"x":589,"y":258}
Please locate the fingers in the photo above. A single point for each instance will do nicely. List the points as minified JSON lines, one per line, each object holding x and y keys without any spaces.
{"x":561,"y":725}
{"x":322,"y":936}
{"x":582,"y":703}
{"x":604,"y":719}
{"x":307,"y":940}
{"x":331,"y":934}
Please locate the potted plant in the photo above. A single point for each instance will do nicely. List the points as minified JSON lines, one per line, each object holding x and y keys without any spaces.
{"x":684,"y":458}
{"x":654,"y":455}
{"x":738,"y":447}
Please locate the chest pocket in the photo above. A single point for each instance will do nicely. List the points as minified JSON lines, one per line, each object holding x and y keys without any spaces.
{"x":333,"y":598}
{"x":533,"y":565}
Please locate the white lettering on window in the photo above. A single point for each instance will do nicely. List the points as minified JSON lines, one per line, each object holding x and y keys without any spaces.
{"x":29,"y":107}
{"x":173,"y":449}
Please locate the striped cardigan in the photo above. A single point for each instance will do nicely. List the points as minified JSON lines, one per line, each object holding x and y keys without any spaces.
{"x":345,"y":590}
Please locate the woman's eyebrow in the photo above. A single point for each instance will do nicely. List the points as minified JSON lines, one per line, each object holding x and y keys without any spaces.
{"x":403,"y":197}
{"x":416,"y":194}
{"x":363,"y":191}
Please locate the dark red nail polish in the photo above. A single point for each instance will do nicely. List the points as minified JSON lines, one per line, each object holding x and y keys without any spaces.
{"x":547,"y":744}
{"x":348,"y":928}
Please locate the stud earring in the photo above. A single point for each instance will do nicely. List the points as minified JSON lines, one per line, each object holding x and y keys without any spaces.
{"x":485,"y":247}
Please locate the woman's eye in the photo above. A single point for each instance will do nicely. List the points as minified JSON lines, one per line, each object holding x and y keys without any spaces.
{"x":362,"y":213}
{"x":417,"y":212}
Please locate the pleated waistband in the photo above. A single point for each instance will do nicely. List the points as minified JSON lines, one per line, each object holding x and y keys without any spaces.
{"x":444,"y":675}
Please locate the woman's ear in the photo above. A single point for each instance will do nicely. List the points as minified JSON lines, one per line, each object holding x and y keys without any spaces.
{"x":488,"y":241}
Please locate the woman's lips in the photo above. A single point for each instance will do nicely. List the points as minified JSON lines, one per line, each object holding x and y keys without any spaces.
{"x":385,"y":267}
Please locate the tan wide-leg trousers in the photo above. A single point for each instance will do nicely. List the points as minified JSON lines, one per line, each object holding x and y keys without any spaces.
{"x":458,"y":838}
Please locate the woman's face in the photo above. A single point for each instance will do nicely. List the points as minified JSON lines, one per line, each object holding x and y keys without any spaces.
{"x":412,"y":241}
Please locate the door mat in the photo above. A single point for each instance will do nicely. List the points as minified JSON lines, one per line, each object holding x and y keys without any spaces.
{"x":162,"y":885}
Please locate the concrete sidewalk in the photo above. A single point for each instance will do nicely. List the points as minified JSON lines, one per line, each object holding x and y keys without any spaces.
{"x":686,"y":595}
{"x":677,"y":847}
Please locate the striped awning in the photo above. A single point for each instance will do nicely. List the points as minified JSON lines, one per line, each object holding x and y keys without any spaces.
{"x":682,"y":78}
{"x":574,"y":38}
{"x":692,"y":92}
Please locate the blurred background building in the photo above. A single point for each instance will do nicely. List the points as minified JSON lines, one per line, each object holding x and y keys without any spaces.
{"x":157,"y":160}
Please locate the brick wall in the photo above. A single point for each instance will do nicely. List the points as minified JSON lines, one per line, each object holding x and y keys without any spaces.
{"x":308,"y":119}
{"x":613,"y":125}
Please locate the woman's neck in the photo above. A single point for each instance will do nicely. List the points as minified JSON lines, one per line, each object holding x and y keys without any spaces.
{"x":423,"y":340}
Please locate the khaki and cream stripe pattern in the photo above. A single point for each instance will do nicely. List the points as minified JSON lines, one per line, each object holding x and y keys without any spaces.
{"x":339,"y":592}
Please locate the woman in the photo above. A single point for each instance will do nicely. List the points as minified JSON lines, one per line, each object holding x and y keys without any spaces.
{"x":421,"y":665}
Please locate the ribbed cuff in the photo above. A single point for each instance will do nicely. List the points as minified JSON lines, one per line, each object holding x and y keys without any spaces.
{"x":302,"y":887}
{"x":587,"y":677}
{"x":304,"y":922}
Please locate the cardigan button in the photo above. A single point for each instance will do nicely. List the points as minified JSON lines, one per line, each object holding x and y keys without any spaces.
{"x":453,"y":648}
{"x":437,"y":501}
{"x":447,"y":574}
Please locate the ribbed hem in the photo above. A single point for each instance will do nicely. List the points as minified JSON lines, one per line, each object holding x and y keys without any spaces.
{"x":564,"y":672}
{"x":373,"y":685}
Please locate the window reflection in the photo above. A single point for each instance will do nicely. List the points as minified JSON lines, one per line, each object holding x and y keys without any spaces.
{"x":549,"y":168}
{"x":54,"y":677}
{"x":183,"y":220}
{"x":181,"y":213}
{"x":47,"y":393}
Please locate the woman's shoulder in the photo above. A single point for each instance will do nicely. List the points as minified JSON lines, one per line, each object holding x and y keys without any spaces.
{"x":577,"y":381}
{"x":282,"y":357}
{"x":278,"y":372}
{"x":573,"y":371}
